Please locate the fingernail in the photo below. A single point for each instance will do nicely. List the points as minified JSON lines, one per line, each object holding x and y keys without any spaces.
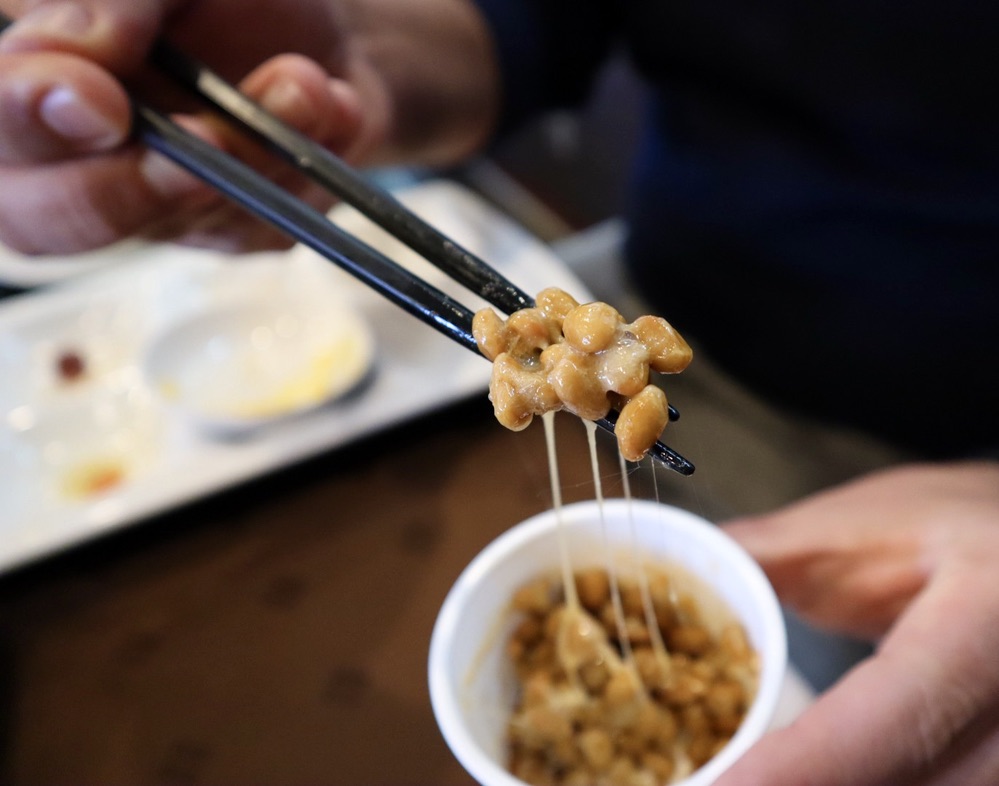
{"x":65,"y":112}
{"x":344,"y":96}
{"x":286,"y":99}
{"x":61,"y":20}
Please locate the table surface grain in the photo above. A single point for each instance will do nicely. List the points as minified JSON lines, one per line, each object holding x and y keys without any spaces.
{"x":275,"y":633}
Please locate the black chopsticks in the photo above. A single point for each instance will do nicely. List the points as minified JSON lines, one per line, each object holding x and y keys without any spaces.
{"x":305,"y":224}
{"x":340,"y":179}
{"x":310,"y":227}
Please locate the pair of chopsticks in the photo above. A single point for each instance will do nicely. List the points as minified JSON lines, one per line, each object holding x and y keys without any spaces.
{"x":304,"y":224}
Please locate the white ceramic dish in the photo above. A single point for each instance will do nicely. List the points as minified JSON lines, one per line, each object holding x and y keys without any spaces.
{"x":472,"y":687}
{"x":236,"y":369}
{"x":109,"y":319}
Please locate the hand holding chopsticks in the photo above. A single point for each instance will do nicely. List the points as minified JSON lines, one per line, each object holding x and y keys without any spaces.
{"x":310,"y":227}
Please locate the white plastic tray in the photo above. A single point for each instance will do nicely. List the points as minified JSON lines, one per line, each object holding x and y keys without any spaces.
{"x":108,"y":317}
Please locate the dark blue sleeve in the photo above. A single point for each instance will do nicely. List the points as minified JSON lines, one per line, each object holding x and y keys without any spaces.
{"x":549,"y":51}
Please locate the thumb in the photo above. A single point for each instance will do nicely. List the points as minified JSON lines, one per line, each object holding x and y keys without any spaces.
{"x":885,"y":723}
{"x":841,"y":739}
{"x":896,"y":717}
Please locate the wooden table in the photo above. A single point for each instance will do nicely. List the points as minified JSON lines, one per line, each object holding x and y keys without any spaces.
{"x":276,"y":633}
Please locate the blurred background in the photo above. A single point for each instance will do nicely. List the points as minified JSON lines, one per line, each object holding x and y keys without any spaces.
{"x":277,"y":631}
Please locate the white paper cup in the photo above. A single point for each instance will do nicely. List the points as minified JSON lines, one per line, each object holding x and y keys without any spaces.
{"x":472,"y":685}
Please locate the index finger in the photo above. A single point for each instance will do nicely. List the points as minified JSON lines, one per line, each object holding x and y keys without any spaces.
{"x":115,"y":34}
{"x":54,"y":105}
{"x":60,"y":70}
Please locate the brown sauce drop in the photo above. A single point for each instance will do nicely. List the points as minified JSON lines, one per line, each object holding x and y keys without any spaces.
{"x":70,"y":366}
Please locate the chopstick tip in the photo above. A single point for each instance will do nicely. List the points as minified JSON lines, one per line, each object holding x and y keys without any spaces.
{"x":673,"y":460}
